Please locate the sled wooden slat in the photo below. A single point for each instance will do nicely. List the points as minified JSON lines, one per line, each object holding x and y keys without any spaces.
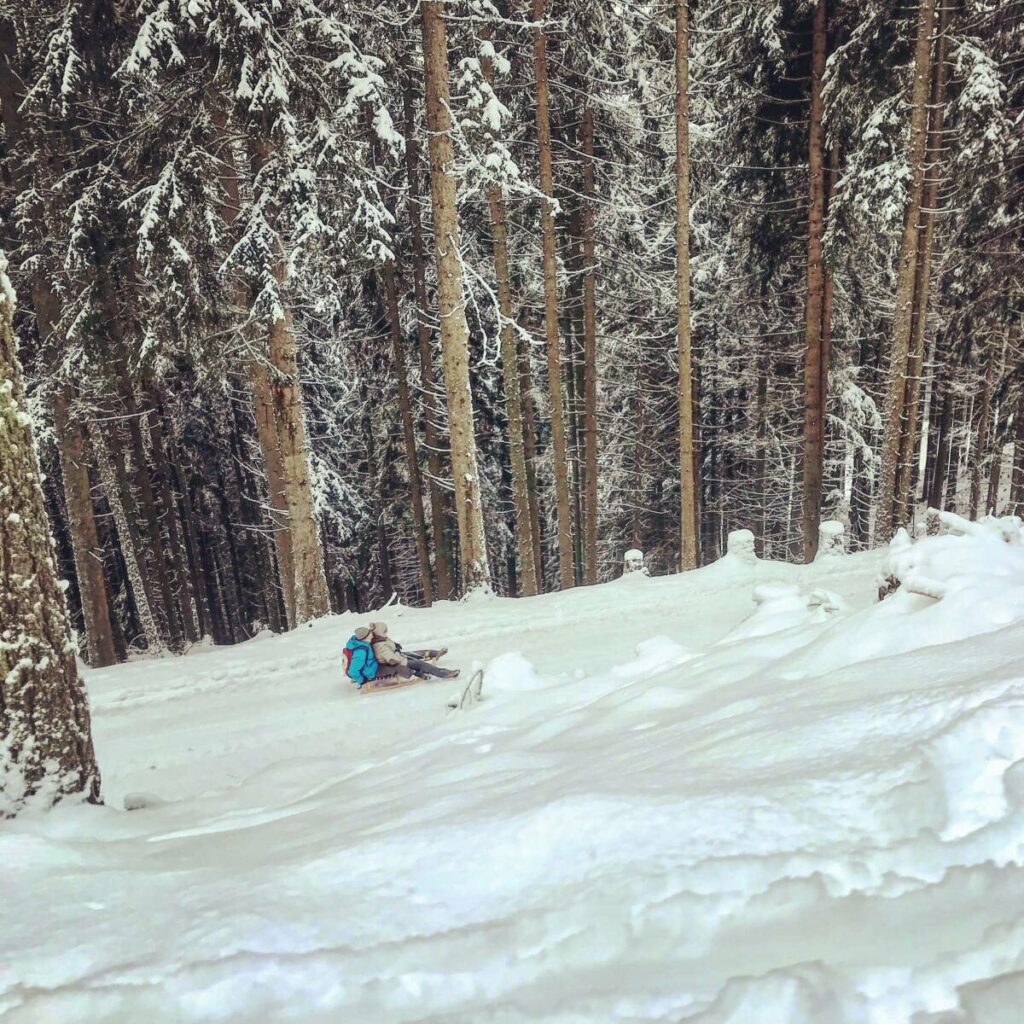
{"x":394,"y":683}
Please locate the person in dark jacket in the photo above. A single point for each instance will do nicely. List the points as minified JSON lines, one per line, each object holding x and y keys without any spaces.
{"x":392,"y":660}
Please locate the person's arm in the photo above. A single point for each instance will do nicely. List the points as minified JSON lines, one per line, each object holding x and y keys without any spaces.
{"x":387,"y":654}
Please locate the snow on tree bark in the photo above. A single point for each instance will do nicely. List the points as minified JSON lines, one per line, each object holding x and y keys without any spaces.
{"x":907,"y":465}
{"x":525,"y":522}
{"x":129,"y":543}
{"x":566,"y":562}
{"x":589,"y":352}
{"x":419,"y":521}
{"x":1017,"y":471}
{"x":311,"y":598}
{"x":85,"y":543}
{"x":451,"y":302}
{"x":308,"y":577}
{"x":444,"y":584}
{"x":815,"y":366}
{"x":904,"y":313}
{"x":689,"y":527}
{"x":46,"y":751}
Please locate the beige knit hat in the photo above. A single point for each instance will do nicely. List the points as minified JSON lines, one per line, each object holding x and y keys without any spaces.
{"x":361,"y":633}
{"x":379,"y":628}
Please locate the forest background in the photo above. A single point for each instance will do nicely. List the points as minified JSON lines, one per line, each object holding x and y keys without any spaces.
{"x":325,"y":304}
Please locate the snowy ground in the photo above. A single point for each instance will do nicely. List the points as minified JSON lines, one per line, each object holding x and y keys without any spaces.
{"x":674,"y":805}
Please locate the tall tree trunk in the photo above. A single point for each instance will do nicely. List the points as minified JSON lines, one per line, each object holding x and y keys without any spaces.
{"x":571,"y":312}
{"x":259,"y":373}
{"x":815,"y":360}
{"x":526,"y":569}
{"x":439,"y":503}
{"x":266,"y":431}
{"x":957,"y":442}
{"x":78,"y":493}
{"x":525,"y":566}
{"x":45,"y":740}
{"x":530,"y":450}
{"x":85,"y":542}
{"x":149,"y":511}
{"x":903,"y":318}
{"x":202,"y":595}
{"x":281,"y":427}
{"x":589,"y":353}
{"x":526,"y":523}
{"x":387,"y":578}
{"x":937,"y":478}
{"x":419,"y":521}
{"x":451,"y":304}
{"x":1017,"y":480}
{"x":689,"y":526}
{"x":179,"y":560}
{"x":995,"y":478}
{"x":268,"y":603}
{"x":115,"y":486}
{"x":762,"y":544}
{"x":390,"y":280}
{"x":560,"y":460}
{"x":981,"y":454}
{"x":311,"y":600}
{"x":906,"y":469}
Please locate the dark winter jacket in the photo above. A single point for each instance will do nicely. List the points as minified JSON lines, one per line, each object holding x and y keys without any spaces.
{"x":362,"y":666}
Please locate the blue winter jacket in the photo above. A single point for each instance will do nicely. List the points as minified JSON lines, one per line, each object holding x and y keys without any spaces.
{"x":362,"y":666}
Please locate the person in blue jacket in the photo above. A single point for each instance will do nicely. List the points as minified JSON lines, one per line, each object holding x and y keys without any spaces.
{"x":361,"y":661}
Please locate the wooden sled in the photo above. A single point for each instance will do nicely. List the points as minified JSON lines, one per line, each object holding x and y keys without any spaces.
{"x":397,"y":682}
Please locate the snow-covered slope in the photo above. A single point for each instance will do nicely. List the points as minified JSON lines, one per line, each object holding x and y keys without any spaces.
{"x":745,"y":795}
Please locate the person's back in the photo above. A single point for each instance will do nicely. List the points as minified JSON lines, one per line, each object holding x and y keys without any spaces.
{"x":386,"y":651}
{"x":362,"y":661}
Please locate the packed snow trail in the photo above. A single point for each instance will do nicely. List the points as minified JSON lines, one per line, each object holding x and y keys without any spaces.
{"x":744,"y":795}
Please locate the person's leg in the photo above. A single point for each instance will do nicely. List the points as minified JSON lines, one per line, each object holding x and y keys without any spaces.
{"x":424,"y":668}
{"x":430,"y":654}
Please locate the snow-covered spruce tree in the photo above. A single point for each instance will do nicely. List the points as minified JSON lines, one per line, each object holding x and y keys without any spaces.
{"x":74,"y":466}
{"x":46,"y":751}
{"x":270,"y":75}
{"x":968,"y":152}
{"x":86,"y":298}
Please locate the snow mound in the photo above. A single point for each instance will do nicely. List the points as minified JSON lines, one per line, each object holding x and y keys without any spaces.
{"x":512,"y":673}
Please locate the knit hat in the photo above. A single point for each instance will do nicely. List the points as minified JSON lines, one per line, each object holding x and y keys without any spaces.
{"x":362,"y":633}
{"x":380,"y":628}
